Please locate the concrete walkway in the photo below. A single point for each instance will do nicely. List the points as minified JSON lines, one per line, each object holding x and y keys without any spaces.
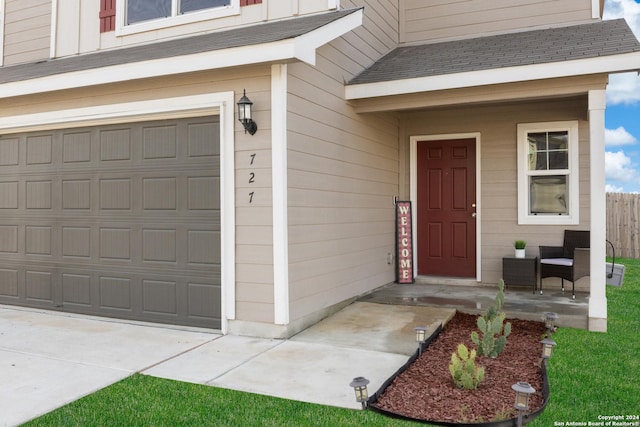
{"x":48,"y":359}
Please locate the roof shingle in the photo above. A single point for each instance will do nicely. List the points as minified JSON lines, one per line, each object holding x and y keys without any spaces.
{"x":245,"y":36}
{"x":592,"y":40}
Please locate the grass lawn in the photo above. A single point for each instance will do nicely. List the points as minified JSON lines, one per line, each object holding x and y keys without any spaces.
{"x":142,"y":400}
{"x":591,"y":374}
{"x":595,"y":374}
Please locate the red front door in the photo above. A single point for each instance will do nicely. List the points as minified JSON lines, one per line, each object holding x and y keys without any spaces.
{"x":446,"y":224}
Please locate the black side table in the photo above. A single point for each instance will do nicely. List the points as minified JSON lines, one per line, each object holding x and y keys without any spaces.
{"x":520,"y":271}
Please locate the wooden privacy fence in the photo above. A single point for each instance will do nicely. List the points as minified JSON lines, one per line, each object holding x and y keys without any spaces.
{"x":623,"y":213}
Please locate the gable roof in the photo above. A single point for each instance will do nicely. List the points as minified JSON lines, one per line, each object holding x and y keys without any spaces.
{"x":289,"y":39}
{"x":602,"y":39}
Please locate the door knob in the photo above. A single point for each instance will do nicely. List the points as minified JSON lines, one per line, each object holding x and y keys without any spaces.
{"x":473,"y":215}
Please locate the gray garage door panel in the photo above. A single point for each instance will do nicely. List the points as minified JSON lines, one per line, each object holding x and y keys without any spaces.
{"x":119,"y":220}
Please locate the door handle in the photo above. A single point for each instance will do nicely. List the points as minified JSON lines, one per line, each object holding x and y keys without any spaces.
{"x":473,"y":215}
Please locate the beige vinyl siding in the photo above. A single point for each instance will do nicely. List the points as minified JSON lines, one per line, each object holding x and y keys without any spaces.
{"x":342,"y":177}
{"x":499,"y":204}
{"x":342,"y":174}
{"x":295,"y":7}
{"x":27,"y":30}
{"x":437,"y":20}
{"x":254,"y":258}
{"x":254,"y":219}
{"x":380,"y":26}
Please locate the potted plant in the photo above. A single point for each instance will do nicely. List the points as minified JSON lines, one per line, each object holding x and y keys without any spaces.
{"x":520,"y":245}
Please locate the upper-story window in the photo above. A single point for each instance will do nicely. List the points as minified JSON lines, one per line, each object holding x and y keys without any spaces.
{"x":146,"y":10}
{"x":136,"y":16}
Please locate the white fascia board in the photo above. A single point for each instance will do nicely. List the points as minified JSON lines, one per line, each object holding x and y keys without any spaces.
{"x":606,"y":64}
{"x":307,"y":44}
{"x":267,"y":52}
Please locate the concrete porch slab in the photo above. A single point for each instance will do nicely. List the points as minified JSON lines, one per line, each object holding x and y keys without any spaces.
{"x":520,"y":303}
{"x":376,"y":327}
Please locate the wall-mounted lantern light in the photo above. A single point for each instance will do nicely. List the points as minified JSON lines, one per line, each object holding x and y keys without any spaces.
{"x":245,"y":114}
{"x":359,"y":385}
{"x":523,"y":391}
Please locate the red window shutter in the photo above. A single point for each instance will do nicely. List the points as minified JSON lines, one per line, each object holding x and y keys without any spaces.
{"x":107,"y":15}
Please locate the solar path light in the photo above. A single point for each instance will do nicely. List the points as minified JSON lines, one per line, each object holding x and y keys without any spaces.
{"x":550,"y":319}
{"x":359,"y":385}
{"x":421,"y":337}
{"x":523,"y":391}
{"x":547,"y":348}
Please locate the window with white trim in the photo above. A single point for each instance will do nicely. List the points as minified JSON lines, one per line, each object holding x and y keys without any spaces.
{"x":143,"y":15}
{"x":548,"y":181}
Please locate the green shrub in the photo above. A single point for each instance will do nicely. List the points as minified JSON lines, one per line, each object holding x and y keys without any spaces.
{"x":463,"y":368}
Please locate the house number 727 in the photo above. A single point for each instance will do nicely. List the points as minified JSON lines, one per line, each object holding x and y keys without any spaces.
{"x":252,"y":177}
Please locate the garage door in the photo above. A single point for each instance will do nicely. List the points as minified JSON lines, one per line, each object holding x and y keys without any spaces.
{"x":120,"y":221}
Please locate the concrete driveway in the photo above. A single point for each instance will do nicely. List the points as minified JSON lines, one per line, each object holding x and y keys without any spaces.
{"x":48,"y":359}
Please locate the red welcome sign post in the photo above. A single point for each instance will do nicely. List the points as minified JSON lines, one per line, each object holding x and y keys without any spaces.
{"x":404,"y":243}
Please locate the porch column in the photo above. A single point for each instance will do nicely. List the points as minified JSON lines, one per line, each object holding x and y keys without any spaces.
{"x":598,"y":296}
{"x":280,"y":203}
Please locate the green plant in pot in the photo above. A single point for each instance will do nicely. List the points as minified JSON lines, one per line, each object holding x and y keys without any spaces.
{"x":520,"y":246}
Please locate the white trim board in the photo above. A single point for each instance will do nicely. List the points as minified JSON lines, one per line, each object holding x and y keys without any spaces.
{"x":2,"y":17}
{"x":184,"y":106}
{"x":222,"y":103}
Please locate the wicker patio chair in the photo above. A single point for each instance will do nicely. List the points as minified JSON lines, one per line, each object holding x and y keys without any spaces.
{"x":569,"y":261}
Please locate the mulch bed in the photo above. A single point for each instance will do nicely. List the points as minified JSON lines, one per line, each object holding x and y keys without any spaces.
{"x":425,"y":390}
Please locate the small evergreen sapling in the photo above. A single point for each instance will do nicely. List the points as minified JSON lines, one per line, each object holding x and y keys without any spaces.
{"x":491,"y":325}
{"x":463,"y":368}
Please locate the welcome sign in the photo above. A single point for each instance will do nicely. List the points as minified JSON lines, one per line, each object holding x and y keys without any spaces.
{"x":404,"y":243}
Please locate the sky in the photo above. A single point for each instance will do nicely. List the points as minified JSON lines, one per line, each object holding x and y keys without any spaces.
{"x":622,"y":116}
